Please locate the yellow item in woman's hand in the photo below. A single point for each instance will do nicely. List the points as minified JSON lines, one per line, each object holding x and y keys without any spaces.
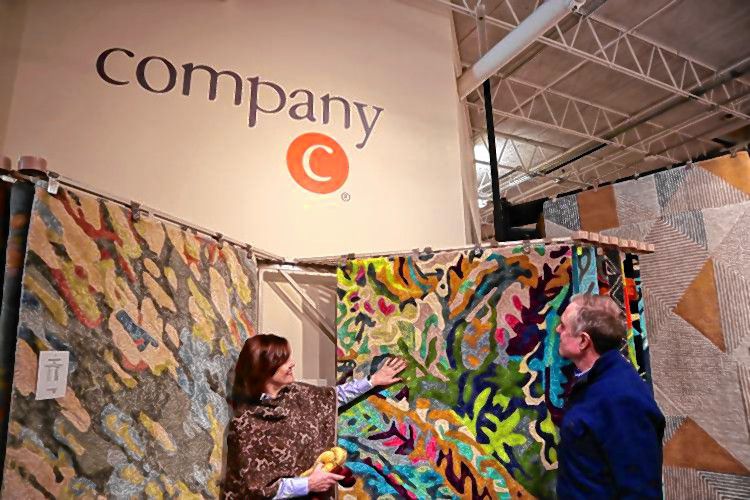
{"x":330,"y":459}
{"x":340,"y":454}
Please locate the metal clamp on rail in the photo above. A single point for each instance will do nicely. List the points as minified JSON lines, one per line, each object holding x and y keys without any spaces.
{"x":53,"y":183}
{"x":219,"y":240}
{"x":136,"y":212}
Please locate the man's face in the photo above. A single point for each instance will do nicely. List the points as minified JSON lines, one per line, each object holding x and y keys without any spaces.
{"x":570,"y":342}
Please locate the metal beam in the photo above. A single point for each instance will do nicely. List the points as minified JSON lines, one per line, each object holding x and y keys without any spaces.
{"x":567,"y":130}
{"x":661,"y":136}
{"x":658,"y":137}
{"x":613,"y":121}
{"x":661,"y":68}
{"x":544,"y":17}
{"x":622,"y":51}
{"x":663,"y":107}
{"x":519,"y":139}
{"x":515,"y":149}
{"x":616,"y":134}
{"x":515,"y":146}
{"x":572,"y":106}
{"x":584,"y":62}
{"x":523,"y":170}
{"x":650,"y":41}
{"x":606,"y":46}
{"x":521,"y":174}
{"x":556,"y":178}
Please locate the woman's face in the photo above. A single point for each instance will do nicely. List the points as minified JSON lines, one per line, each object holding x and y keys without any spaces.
{"x":285,"y":374}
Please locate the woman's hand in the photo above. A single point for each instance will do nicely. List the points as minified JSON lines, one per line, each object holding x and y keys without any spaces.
{"x":320,"y":480}
{"x":387,"y":374}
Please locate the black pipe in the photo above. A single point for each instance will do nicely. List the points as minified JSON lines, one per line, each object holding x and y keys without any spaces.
{"x":578,"y":157}
{"x":498,"y":206}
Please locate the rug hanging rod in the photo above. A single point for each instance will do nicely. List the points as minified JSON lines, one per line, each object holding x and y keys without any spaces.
{"x":34,"y":168}
{"x":157,"y":214}
{"x":293,"y":268}
{"x":426,"y":250}
{"x":631,"y":246}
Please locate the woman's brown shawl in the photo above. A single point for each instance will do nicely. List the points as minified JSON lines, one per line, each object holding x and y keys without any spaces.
{"x":277,"y":438}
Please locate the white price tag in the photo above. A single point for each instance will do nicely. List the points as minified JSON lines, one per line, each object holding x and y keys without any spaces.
{"x":52,"y":377}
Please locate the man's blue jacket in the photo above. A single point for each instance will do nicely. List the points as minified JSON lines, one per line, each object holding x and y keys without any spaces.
{"x":611,"y":435}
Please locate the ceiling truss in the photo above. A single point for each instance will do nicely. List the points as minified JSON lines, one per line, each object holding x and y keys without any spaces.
{"x":615,"y":143}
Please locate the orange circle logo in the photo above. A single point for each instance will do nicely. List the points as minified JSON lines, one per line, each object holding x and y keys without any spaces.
{"x":317,"y":163}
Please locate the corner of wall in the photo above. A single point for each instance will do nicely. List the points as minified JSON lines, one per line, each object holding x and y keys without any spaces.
{"x":469,"y":192}
{"x":12,"y":23}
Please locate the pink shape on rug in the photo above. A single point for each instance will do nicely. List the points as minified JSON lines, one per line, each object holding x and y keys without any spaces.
{"x":394,"y":441}
{"x":512,"y":321}
{"x":517,"y":302}
{"x":431,"y":449}
{"x":500,"y":335}
{"x":386,"y":308}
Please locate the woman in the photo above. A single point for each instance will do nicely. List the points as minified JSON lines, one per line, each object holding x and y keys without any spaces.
{"x":281,"y":426}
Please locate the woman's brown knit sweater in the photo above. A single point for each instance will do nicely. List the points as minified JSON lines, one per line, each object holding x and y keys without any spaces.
{"x":277,"y":438}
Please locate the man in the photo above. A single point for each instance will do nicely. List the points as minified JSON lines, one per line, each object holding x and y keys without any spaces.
{"x":611,"y":435}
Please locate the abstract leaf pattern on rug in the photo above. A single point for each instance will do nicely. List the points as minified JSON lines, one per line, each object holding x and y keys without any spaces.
{"x":153,"y":317}
{"x":475,"y":417}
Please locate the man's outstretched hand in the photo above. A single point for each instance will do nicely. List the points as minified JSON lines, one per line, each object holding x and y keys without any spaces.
{"x":388,"y":372}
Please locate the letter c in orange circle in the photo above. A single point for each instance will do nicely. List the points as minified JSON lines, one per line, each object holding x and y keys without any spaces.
{"x":317,"y":163}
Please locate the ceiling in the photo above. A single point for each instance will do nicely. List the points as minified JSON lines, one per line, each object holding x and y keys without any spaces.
{"x":617,"y":89}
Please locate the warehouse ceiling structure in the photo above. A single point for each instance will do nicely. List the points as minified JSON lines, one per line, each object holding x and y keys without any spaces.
{"x":611,"y":90}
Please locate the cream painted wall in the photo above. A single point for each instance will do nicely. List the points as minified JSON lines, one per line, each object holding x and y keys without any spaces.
{"x":12,"y":20}
{"x":199,"y":159}
{"x":283,"y":312}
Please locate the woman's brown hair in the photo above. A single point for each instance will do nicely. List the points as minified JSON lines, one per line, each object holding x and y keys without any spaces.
{"x":261,"y":356}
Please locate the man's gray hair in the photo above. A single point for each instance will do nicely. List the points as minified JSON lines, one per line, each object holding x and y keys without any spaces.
{"x":601,"y":318}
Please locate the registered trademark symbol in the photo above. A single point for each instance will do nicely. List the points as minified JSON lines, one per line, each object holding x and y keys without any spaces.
{"x":346,"y":196}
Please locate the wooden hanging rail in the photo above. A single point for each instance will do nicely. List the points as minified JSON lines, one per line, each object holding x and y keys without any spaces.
{"x":34,"y":169}
{"x":629,"y":246}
